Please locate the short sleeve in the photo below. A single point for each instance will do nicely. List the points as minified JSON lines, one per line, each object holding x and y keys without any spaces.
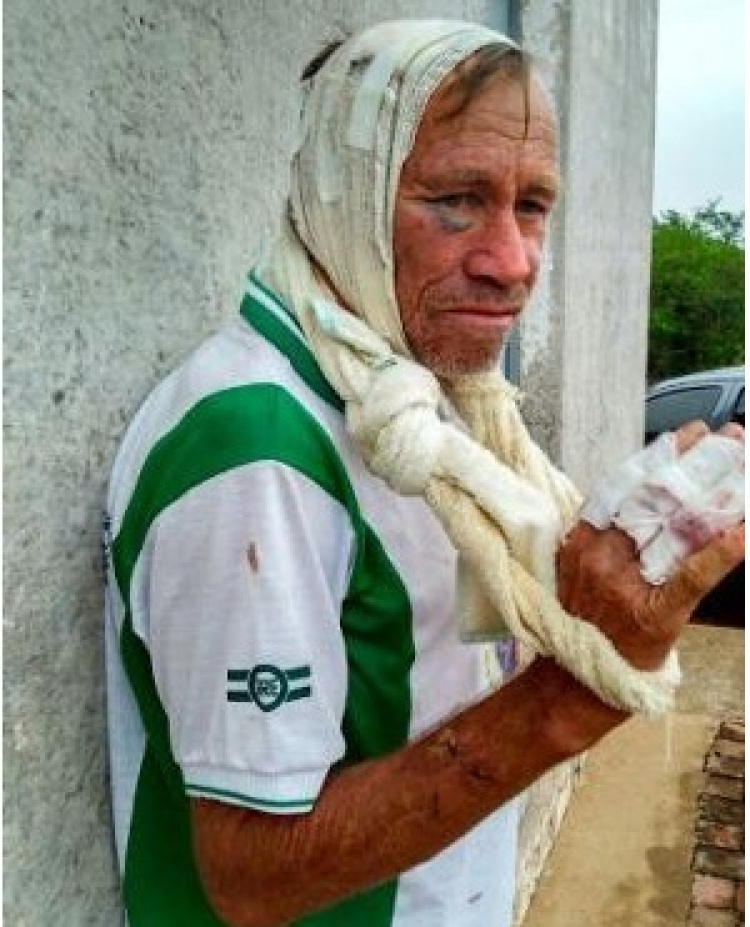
{"x":247,"y":576}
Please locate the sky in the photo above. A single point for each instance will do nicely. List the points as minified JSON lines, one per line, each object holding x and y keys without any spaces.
{"x":700,"y":105}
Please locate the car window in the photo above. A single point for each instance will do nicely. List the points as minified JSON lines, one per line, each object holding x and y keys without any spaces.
{"x":668,"y":411}
{"x":739,"y":409}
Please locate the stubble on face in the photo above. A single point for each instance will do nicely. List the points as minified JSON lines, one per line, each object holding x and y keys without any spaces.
{"x":471,"y":212}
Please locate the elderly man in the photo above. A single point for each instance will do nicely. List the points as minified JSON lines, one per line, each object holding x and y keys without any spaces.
{"x":314,"y":514}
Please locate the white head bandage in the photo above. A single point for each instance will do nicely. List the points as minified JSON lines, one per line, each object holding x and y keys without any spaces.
{"x":360,"y":117}
{"x":501,"y":501}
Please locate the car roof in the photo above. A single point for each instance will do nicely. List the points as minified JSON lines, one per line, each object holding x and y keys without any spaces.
{"x":720,"y":375}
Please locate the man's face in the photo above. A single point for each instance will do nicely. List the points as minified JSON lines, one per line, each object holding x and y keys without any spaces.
{"x":470,"y":219}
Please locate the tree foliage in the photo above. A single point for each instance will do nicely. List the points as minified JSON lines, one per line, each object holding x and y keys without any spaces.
{"x":697,"y":298}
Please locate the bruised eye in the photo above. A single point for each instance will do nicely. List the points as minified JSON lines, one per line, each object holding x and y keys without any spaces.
{"x":456,"y":212}
{"x":458,"y":200}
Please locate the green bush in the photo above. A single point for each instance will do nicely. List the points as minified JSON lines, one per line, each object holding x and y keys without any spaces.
{"x":697,"y":297}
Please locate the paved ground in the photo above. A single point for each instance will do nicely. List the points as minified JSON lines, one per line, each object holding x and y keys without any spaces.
{"x":623,"y":856}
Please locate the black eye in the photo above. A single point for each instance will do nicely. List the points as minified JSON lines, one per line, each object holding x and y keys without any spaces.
{"x":458,"y":200}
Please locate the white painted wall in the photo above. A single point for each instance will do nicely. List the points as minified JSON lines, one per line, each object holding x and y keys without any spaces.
{"x":584,"y":340}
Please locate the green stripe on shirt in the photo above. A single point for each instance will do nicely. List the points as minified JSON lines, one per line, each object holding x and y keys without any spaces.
{"x":203,"y":791}
{"x":292,"y":347}
{"x":227,"y":429}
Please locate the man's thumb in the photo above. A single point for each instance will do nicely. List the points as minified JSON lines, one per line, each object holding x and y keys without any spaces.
{"x":704,"y":569}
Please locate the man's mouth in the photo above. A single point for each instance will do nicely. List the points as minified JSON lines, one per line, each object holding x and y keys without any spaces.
{"x":486,"y":311}
{"x":486,"y":316}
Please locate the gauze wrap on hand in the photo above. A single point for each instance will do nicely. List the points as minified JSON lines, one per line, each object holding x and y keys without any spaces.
{"x":671,"y":504}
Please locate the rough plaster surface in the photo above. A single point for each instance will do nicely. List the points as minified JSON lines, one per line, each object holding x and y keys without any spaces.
{"x":584,"y":348}
{"x":145,"y":152}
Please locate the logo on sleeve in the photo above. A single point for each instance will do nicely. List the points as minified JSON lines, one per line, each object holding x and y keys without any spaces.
{"x":268,"y":686}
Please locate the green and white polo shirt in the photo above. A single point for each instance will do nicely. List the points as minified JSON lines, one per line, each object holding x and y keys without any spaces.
{"x":274,"y":610}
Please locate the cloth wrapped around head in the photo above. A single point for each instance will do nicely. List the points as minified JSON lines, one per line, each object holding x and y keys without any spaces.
{"x":461,"y":444}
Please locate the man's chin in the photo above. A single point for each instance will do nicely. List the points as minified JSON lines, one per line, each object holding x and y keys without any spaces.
{"x":443,"y":359}
{"x":453,"y":369}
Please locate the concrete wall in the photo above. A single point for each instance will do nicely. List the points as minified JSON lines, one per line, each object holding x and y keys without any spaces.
{"x":583,"y":343}
{"x":145,"y":152}
{"x":584,"y":340}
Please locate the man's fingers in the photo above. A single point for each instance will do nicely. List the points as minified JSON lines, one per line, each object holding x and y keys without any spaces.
{"x":733,"y":430}
{"x":704,"y":569}
{"x":690,"y":434}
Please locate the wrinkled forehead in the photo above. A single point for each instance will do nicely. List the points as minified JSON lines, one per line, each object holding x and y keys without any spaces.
{"x":511,"y":94}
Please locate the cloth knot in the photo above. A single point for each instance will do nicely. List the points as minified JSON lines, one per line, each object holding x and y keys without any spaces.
{"x":396,"y":425}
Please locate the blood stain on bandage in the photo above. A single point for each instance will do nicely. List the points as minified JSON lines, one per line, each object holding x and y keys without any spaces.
{"x":724,"y":498}
{"x":252,"y":556}
{"x":692,"y":530}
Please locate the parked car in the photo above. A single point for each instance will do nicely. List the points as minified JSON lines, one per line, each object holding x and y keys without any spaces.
{"x":715,"y":397}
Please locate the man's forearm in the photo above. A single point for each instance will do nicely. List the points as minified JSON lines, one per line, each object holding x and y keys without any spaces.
{"x":377,"y":819}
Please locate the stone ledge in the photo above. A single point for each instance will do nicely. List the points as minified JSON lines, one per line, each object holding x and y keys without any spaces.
{"x":708,"y":917}
{"x":716,"y":834}
{"x":710,"y":892}
{"x":713,"y":861}
{"x":718,"y":892}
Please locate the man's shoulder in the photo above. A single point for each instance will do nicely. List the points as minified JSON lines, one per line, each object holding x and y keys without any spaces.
{"x":234,"y":356}
{"x":234,"y":399}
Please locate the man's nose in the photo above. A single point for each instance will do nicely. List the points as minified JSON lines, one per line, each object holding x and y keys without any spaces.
{"x":501,"y":253}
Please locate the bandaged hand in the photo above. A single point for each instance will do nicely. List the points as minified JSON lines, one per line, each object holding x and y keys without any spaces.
{"x":601,"y":576}
{"x":670,"y":502}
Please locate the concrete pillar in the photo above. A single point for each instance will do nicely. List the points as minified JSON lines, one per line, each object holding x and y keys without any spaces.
{"x":584,"y":339}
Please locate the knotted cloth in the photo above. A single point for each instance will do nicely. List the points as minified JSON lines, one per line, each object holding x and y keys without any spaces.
{"x":461,"y":444}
